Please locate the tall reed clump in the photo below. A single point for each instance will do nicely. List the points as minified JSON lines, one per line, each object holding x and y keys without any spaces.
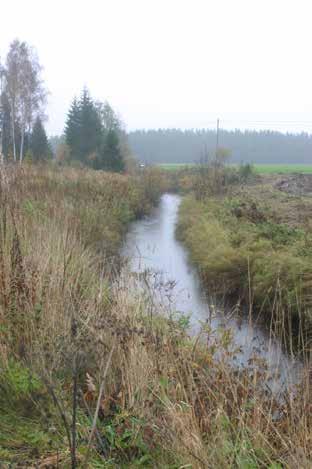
{"x":90,"y":375}
{"x":60,"y":232}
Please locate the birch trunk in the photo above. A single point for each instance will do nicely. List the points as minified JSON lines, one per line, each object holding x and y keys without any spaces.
{"x":1,"y":154}
{"x":13,"y":131}
{"x":22,"y":145}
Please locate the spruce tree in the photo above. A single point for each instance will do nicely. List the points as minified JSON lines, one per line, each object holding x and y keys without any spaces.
{"x":83,"y":131}
{"x":39,"y":144}
{"x":112,"y":159}
{"x":73,"y":130}
{"x":91,"y":132}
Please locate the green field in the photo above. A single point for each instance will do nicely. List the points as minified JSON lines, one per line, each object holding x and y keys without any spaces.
{"x":283,"y":168}
{"x":259,"y":168}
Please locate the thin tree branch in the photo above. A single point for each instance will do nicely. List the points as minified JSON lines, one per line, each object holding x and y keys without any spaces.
{"x":99,"y":403}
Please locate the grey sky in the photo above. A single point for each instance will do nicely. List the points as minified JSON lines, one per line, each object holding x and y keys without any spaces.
{"x":173,"y":63}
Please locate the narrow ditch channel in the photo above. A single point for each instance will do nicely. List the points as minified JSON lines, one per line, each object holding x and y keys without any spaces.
{"x":151,"y":246}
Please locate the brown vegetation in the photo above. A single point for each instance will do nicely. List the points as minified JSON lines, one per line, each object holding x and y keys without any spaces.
{"x":77,"y":344}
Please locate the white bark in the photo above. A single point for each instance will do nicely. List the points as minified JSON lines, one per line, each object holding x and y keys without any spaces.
{"x":13,"y":129}
{"x":1,"y":148}
{"x":24,"y":89}
{"x":22,"y":145}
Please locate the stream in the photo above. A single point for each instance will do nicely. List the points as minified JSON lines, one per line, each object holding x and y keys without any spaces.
{"x":151,"y":246}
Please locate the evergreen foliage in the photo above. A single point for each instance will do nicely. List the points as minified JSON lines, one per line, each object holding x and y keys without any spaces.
{"x":112,"y":158}
{"x":73,"y":129}
{"x":39,"y":144}
{"x":55,"y":141}
{"x":93,"y":134}
{"x":90,"y":137}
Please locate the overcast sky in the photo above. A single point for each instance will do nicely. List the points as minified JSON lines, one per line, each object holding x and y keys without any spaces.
{"x":173,"y":63}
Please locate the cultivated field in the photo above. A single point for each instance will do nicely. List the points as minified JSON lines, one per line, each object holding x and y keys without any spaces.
{"x":283,"y":168}
{"x":259,"y":168}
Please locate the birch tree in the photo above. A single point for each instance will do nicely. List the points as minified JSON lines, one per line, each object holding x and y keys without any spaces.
{"x":25,"y":90}
{"x":1,"y":112}
{"x":13,"y":80}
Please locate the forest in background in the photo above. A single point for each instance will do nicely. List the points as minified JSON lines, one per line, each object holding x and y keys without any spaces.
{"x":93,"y":134}
{"x":189,"y":146}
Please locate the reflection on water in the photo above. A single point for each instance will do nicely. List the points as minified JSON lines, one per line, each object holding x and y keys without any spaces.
{"x":151,"y":245}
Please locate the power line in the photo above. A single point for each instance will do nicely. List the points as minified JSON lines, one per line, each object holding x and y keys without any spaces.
{"x":260,"y":121}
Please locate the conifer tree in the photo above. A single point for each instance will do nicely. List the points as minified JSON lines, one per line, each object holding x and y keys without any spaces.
{"x":112,"y":158}
{"x":39,"y":145}
{"x":83,"y":129}
{"x":93,"y":134}
{"x":91,"y":131}
{"x":73,"y":130}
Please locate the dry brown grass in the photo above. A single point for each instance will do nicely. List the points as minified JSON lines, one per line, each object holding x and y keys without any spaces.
{"x":168,"y":400}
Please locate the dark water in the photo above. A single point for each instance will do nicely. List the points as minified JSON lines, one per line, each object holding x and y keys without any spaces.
{"x":151,"y":246}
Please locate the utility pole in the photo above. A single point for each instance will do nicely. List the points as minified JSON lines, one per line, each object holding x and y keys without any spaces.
{"x":217,"y":141}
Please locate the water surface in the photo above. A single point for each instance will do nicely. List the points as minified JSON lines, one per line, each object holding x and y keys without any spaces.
{"x":151,"y":246}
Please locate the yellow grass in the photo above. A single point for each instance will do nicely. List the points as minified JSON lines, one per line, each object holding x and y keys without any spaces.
{"x":167,"y":401}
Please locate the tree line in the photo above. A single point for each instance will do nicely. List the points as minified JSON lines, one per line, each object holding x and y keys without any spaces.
{"x":22,"y":104}
{"x":93,"y":136}
{"x":188,"y":146}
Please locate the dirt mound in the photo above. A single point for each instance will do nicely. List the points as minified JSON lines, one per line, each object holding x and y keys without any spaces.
{"x":250,"y":211}
{"x":297,"y":184}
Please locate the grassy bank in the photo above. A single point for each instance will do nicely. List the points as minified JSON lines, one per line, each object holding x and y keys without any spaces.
{"x":253,"y":242}
{"x":90,"y":372}
{"x":60,"y":232}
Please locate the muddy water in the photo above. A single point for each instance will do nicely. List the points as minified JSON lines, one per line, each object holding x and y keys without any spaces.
{"x":151,"y":246}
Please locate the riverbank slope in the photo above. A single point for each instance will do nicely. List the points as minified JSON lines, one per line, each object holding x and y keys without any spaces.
{"x":89,"y":378}
{"x":254,"y":242}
